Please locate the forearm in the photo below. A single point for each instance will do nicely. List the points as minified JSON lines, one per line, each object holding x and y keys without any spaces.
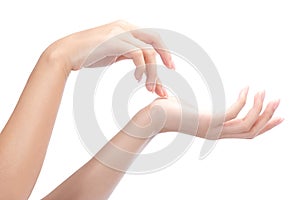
{"x":24,"y":139}
{"x":98,"y":178}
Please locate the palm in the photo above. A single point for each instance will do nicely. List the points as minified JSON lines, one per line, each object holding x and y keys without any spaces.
{"x":183,"y":118}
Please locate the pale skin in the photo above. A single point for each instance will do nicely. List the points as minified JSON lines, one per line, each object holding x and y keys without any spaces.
{"x":25,"y":137}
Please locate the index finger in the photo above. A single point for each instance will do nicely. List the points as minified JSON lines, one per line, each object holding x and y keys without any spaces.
{"x":158,"y":44}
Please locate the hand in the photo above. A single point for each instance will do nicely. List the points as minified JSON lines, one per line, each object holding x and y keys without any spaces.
{"x":180,"y":117}
{"x":113,"y":42}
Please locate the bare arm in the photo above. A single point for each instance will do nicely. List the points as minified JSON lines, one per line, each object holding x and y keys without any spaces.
{"x":24,"y":139}
{"x":98,"y":178}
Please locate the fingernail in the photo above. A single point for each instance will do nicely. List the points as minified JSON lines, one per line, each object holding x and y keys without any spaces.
{"x":276,"y":104}
{"x":165,"y":93}
{"x":280,"y":120}
{"x":263,"y":93}
{"x":153,"y":88}
{"x":173,"y":65}
{"x":161,"y":92}
{"x":244,"y":91}
{"x":149,"y":87}
{"x":138,"y":76}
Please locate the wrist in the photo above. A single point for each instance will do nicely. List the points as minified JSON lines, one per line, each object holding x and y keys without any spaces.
{"x":147,"y":123}
{"x":56,"y":59}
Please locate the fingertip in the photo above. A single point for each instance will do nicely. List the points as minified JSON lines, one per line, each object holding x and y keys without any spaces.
{"x":280,"y":120}
{"x":158,"y":93}
{"x":278,"y":101}
{"x":138,"y":78}
{"x":153,"y":87}
{"x":263,"y":94}
{"x":138,"y":75}
{"x":276,"y":121}
{"x":173,"y":65}
{"x":160,"y":90}
{"x":246,"y":88}
{"x":169,"y":63}
{"x":276,"y":104}
{"x":244,"y":92}
{"x":260,"y":95}
{"x":149,"y":87}
{"x":161,"y":93}
{"x":165,"y":92}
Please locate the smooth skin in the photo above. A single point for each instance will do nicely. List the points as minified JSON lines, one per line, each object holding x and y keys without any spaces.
{"x":24,"y":139}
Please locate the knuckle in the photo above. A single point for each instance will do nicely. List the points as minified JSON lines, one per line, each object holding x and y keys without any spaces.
{"x":246,"y":126}
{"x":151,"y":71}
{"x":140,"y":69}
{"x":251,"y":134}
{"x":233,"y":115}
{"x":116,"y":30}
{"x":118,"y":27}
{"x":151,"y":52}
{"x":156,"y":35}
{"x":121,"y":23}
{"x":137,"y":53}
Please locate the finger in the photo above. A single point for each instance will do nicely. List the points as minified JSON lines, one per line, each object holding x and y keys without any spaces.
{"x":253,"y":114}
{"x":138,"y":59}
{"x":121,"y":58}
{"x":149,"y":55}
{"x":109,"y":60}
{"x":245,"y":124}
{"x":137,"y":56}
{"x":151,"y":69}
{"x":261,"y":122}
{"x":160,"y":90}
{"x":155,"y":40}
{"x":264,"y":118}
{"x":125,"y":25}
{"x":235,"y":109}
{"x":271,"y":124}
{"x":150,"y":60}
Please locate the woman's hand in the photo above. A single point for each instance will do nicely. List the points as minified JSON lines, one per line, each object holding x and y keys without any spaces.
{"x":110,"y":43}
{"x":180,"y":117}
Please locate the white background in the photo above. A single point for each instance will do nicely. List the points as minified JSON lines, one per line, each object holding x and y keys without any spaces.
{"x":254,"y":43}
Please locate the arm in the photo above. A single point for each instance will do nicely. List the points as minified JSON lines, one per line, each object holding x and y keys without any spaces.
{"x":96,"y":180}
{"x":24,"y":139}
